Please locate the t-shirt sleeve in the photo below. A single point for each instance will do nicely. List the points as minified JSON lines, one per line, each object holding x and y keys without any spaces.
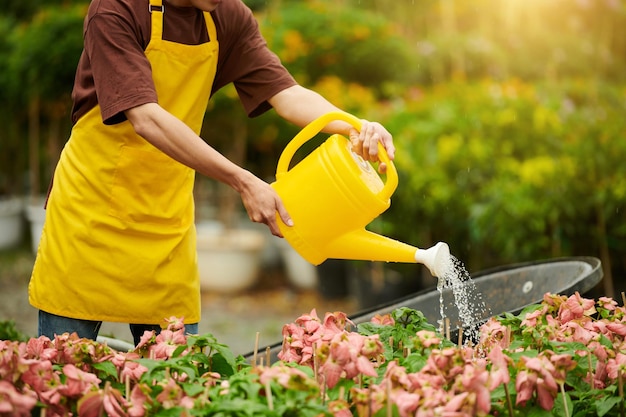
{"x":256,"y":72}
{"x":121,"y":71}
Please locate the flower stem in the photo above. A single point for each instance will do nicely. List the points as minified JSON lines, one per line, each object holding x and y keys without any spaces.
{"x":256,"y":349}
{"x":268,"y":394}
{"x":620,"y":387}
{"x":508,"y":399}
{"x":389,"y":405}
{"x":564,"y":400}
{"x":315,"y":364}
{"x":591,"y":376}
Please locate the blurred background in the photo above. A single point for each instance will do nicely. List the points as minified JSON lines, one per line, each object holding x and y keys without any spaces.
{"x":509,"y":117}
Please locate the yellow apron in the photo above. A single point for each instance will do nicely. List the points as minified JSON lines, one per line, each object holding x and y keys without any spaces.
{"x":119,"y":241}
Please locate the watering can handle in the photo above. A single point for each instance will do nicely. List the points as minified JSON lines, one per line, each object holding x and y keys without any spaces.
{"x":316,"y":126}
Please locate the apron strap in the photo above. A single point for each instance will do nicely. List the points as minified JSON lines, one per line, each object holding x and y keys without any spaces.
{"x":210,"y":25}
{"x":157,"y":9}
{"x":156,"y":5}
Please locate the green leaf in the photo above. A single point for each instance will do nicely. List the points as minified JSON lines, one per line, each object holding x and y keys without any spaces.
{"x":223,"y":364}
{"x":107,"y":368}
{"x":559,"y":409}
{"x":606,"y":404}
{"x":536,"y":411}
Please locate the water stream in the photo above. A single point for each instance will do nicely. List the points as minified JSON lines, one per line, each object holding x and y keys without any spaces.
{"x":469,"y":301}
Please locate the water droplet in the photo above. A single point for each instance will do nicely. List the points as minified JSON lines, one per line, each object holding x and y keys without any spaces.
{"x":467,"y":298}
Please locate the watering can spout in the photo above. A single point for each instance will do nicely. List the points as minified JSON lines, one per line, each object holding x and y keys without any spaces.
{"x":436,"y":259}
{"x":365,"y":245}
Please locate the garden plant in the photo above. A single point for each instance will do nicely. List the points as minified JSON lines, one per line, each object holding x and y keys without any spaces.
{"x":565,"y":356}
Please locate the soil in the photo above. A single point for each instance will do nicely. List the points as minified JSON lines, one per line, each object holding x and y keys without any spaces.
{"x":234,"y":319}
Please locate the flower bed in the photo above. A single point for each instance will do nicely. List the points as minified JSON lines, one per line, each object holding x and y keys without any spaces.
{"x":563,"y":357}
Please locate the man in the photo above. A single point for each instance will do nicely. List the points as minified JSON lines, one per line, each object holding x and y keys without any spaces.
{"x":119,"y":239}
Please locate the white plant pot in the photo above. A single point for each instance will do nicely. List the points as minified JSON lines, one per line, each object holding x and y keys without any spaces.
{"x":228,"y":260}
{"x":11,"y":222}
{"x":36,"y":215}
{"x":301,"y":273}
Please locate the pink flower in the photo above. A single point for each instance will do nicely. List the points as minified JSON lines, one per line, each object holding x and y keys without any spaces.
{"x":455,"y":404}
{"x":407,"y":402}
{"x":146,"y":340}
{"x":173,"y":396}
{"x":368,"y":401}
{"x":175,"y":323}
{"x":525,"y":384}
{"x":499,"y":367}
{"x":166,"y":343}
{"x":308,"y":331}
{"x":448,"y":361}
{"x":42,"y":378}
{"x":618,"y":328}
{"x":572,"y":331}
{"x":576,"y":307}
{"x":14,"y":403}
{"x":474,"y":380}
{"x":287,"y":376}
{"x":336,"y":322}
{"x":383,"y":320}
{"x":339,"y":408}
{"x":538,"y":376}
{"x":108,"y":401}
{"x":607,"y":303}
{"x":563,"y":363}
{"x":426,"y":339}
{"x":309,"y":322}
{"x":553,"y":300}
{"x":139,"y":401}
{"x":72,"y":349}
{"x":530,"y":320}
{"x":132,"y":371}
{"x":348,"y":354}
{"x":616,"y":366}
{"x":77,"y":382}
{"x":40,"y":348}
{"x":332,"y":371}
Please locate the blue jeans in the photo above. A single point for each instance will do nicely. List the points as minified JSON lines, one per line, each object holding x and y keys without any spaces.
{"x":51,"y":324}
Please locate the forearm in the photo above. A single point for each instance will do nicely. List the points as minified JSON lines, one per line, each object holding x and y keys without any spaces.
{"x":176,"y":139}
{"x":301,"y":106}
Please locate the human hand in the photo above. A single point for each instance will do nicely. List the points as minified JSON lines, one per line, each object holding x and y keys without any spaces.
{"x":262,"y":202}
{"x":365,"y":142}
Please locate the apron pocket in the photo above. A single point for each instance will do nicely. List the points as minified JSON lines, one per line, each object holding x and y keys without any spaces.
{"x":150,"y":187}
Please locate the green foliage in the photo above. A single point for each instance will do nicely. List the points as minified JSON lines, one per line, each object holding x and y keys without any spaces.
{"x":506,"y":169}
{"x":45,"y":53}
{"x":24,"y":10}
{"x":39,"y":56}
{"x":8,"y":331}
{"x":532,"y":39}
{"x":519,"y":169}
{"x":320,"y":39}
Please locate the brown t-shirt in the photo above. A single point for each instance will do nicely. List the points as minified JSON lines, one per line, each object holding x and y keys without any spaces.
{"x":114,"y":72}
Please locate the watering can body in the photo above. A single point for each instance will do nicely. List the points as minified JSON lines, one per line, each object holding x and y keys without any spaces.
{"x":332,"y":195}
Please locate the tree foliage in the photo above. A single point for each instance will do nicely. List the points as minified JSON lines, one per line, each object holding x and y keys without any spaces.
{"x":508,"y":115}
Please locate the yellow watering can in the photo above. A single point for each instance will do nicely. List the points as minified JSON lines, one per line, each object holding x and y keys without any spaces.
{"x":333,"y":193}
